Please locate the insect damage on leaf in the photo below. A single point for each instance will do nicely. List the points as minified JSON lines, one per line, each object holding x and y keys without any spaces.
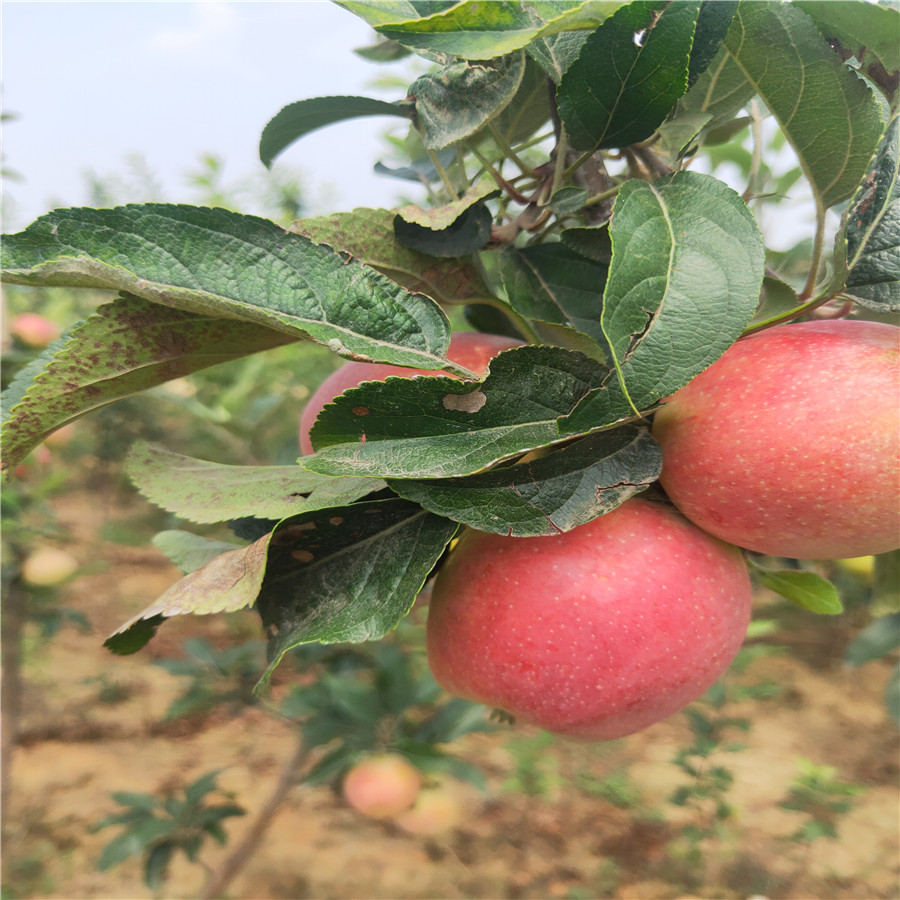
{"x":470,"y":403}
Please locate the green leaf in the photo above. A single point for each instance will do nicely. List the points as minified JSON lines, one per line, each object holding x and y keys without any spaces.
{"x":886,"y":587}
{"x":190,"y":552}
{"x":227,"y":583}
{"x":126,"y":347}
{"x":879,"y":638}
{"x":720,"y":92}
{"x":456,"y":102}
{"x":568,"y":200}
{"x":867,"y":31}
{"x":827,"y":112}
{"x":806,"y":589}
{"x":554,"y":284}
{"x":620,"y":89}
{"x":439,"y":427}
{"x":299,"y":119}
{"x":549,"y":495}
{"x":870,"y":236}
{"x":685,"y":278}
{"x":219,"y":263}
{"x":892,"y":695}
{"x":525,"y":113}
{"x":476,"y":30}
{"x":210,"y":492}
{"x":713,"y":22}
{"x":347,"y":575}
{"x":157,"y":863}
{"x":368,"y":234}
{"x":468,"y":232}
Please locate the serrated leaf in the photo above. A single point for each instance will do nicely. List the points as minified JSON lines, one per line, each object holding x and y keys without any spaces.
{"x":227,"y":583}
{"x":684,"y":281}
{"x":368,"y":234}
{"x":867,"y":31}
{"x":549,"y":495}
{"x":478,"y":30}
{"x":619,"y":90}
{"x":468,"y":232}
{"x":440,"y":218}
{"x":126,"y":347}
{"x":879,"y":638}
{"x":439,"y":427}
{"x":305,"y":116}
{"x":190,"y":552}
{"x":216,"y":262}
{"x":806,"y":589}
{"x":720,"y":92}
{"x":554,"y":284}
{"x":349,"y":575}
{"x":456,"y":102}
{"x":870,"y":237}
{"x":828,"y":114}
{"x":210,"y":492}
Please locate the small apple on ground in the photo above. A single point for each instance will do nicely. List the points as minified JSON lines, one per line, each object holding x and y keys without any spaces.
{"x":382,"y":786}
{"x":595,"y":633}
{"x":48,"y":567}
{"x":34,"y":330}
{"x":789,"y":444}
{"x":471,"y":349}
{"x":437,"y":809}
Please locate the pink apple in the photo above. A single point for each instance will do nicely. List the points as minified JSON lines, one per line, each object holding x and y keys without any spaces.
{"x":48,"y":567}
{"x":595,"y":633}
{"x":471,"y":349}
{"x":382,"y":786}
{"x":789,"y":444}
{"x":34,"y":330}
{"x":437,"y":809}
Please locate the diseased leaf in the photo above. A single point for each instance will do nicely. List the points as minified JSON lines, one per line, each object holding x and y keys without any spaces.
{"x":869,"y":240}
{"x":126,"y":347}
{"x":554,"y":284}
{"x":210,"y":492}
{"x":190,"y":552}
{"x":440,"y":218}
{"x":806,"y":589}
{"x":368,"y":234}
{"x":830,"y":116}
{"x":456,"y":102}
{"x":227,"y":583}
{"x":347,"y":575}
{"x":687,"y":267}
{"x":439,"y":427}
{"x":219,"y":263}
{"x":867,"y":31}
{"x":299,"y":119}
{"x":468,"y":232}
{"x":620,"y":88}
{"x":477,"y":30}
{"x":549,"y":495}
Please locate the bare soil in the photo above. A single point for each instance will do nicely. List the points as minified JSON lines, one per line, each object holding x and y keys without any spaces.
{"x":566,"y":841}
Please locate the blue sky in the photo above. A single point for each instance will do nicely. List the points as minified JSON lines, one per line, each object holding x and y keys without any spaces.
{"x":92,"y":82}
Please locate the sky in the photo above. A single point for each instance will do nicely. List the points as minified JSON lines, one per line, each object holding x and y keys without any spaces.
{"x":91,"y":83}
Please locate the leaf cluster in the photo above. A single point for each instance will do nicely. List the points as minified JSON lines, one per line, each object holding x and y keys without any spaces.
{"x":561,"y":148}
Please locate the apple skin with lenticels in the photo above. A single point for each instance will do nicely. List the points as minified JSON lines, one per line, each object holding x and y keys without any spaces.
{"x":471,"y":349}
{"x":595,"y":633}
{"x":789,"y":444}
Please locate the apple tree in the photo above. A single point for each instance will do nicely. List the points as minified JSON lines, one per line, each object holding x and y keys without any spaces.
{"x":570,"y":154}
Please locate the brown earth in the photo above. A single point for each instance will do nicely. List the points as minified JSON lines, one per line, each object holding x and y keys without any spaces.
{"x":579,"y":837}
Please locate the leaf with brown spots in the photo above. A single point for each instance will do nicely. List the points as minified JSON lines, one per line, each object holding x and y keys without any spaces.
{"x":126,"y":347}
{"x":210,"y":492}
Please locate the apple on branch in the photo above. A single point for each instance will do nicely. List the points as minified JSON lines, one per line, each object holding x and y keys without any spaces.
{"x":595,"y":633}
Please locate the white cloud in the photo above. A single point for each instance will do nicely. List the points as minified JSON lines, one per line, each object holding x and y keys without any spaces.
{"x":212,"y":21}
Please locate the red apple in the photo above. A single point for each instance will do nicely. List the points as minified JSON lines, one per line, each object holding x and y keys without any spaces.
{"x":382,"y":786}
{"x":48,"y":567}
{"x":34,"y":330}
{"x":789,"y":444}
{"x":471,"y":349}
{"x":437,"y":809}
{"x":595,"y":633}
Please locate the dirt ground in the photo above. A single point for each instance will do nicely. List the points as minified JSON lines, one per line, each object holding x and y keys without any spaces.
{"x":566,"y":841}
